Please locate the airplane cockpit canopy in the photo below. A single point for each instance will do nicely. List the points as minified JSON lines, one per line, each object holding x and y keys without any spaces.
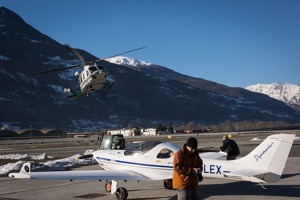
{"x":141,"y":148}
{"x":165,"y":153}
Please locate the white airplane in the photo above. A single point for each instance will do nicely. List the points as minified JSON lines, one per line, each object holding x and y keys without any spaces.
{"x":153,"y":161}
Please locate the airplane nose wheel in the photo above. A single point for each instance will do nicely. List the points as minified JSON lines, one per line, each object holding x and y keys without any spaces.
{"x":168,"y":184}
{"x":121,"y":193}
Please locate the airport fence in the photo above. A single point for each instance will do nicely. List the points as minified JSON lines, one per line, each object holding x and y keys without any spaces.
{"x":8,"y":142}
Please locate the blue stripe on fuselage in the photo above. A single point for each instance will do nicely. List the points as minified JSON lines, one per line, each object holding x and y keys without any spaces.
{"x":134,"y":163}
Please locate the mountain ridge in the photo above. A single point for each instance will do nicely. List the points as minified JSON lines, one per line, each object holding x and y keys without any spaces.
{"x":287,"y":93}
{"x":164,"y":72}
{"x":143,"y":97}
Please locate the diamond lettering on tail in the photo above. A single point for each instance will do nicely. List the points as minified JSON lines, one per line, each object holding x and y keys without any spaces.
{"x":257,"y":157}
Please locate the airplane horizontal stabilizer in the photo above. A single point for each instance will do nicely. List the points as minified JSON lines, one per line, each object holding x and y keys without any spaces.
{"x":247,"y":175}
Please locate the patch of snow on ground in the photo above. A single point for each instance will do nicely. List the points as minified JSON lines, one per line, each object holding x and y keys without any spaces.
{"x":60,"y":164}
{"x":43,"y":156}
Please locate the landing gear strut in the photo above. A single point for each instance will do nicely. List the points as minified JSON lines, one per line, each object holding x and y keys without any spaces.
{"x":112,"y":187}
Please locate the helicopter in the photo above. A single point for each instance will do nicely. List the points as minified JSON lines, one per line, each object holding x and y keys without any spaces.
{"x":94,"y":76}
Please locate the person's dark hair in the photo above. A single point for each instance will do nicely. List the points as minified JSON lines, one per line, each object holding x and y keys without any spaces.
{"x":192,"y":142}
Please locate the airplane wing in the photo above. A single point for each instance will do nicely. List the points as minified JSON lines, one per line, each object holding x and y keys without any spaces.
{"x":25,"y":172}
{"x":213,"y":155}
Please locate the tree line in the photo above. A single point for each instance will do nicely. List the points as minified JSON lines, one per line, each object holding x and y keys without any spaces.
{"x":229,"y":126}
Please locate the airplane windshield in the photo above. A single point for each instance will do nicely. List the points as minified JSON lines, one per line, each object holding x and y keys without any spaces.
{"x":141,"y":148}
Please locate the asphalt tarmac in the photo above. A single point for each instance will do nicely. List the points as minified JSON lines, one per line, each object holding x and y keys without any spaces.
{"x":287,"y":188}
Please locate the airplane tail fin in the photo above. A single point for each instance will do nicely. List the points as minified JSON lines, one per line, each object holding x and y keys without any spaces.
{"x":269,"y":157}
{"x":24,"y":172}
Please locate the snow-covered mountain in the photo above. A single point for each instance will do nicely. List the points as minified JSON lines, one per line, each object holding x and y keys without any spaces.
{"x":288,"y":93}
{"x":129,"y":62}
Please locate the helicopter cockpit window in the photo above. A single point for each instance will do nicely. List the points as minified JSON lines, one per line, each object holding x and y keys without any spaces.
{"x":165,"y":153}
{"x":92,"y":69}
{"x":141,"y":148}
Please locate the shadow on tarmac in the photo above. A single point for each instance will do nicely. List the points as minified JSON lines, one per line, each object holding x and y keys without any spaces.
{"x":284,"y":176}
{"x":247,"y":189}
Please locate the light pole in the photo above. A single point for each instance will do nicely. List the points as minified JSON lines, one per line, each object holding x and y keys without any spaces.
{"x":30,"y":131}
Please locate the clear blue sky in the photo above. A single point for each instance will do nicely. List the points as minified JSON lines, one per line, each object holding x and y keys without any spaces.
{"x":233,"y":42}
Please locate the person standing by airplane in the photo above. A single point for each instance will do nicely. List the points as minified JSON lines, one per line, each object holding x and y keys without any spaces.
{"x":187,"y":166}
{"x":230,"y":147}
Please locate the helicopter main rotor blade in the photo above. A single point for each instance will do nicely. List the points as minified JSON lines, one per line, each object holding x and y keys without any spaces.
{"x":124,"y":52}
{"x":74,"y":52}
{"x":54,"y":70}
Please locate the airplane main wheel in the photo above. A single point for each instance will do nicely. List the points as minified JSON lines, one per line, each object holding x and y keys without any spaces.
{"x":168,"y":184}
{"x":108,"y":186}
{"x":121,"y":193}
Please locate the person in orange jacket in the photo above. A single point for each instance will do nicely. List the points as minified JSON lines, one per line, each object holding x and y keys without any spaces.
{"x":187,"y":166}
